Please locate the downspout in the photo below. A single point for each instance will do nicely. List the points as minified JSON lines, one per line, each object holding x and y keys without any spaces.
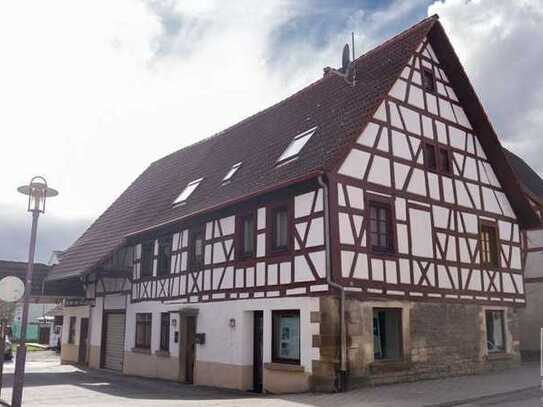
{"x":343,"y":331}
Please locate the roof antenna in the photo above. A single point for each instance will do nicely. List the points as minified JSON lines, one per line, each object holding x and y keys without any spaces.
{"x":347,"y":71}
{"x":352,"y":42}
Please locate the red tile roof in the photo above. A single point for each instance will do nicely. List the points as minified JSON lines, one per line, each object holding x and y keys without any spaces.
{"x":339,"y":111}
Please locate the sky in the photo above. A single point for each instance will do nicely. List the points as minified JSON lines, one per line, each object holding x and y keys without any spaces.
{"x":92,"y":92}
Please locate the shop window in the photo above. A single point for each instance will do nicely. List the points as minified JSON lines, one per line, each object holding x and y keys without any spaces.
{"x":280,"y":231}
{"x":381,"y":234}
{"x":164,"y":255}
{"x":246,"y":236}
{"x":286,"y":336}
{"x":147,"y":258}
{"x":143,"y":330}
{"x":165,"y":331}
{"x":71,"y":330}
{"x":489,"y":245}
{"x":495,"y":331}
{"x":387,"y":334}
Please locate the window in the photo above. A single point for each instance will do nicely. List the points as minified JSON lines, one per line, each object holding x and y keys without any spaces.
{"x":71,"y":330}
{"x":197,"y":248}
{"x":381,"y":237}
{"x":495,"y":328}
{"x":428,"y":80}
{"x":165,"y":331}
{"x":231,"y":172}
{"x":444,"y":160}
{"x":489,"y":245}
{"x":430,"y":161}
{"x":143,"y":330}
{"x":147,"y":258}
{"x":387,"y":334}
{"x":246,"y":235}
{"x":437,"y":158}
{"x":164,"y":255}
{"x":280,"y":229}
{"x":185,"y":193}
{"x":286,"y":336}
{"x":296,"y":145}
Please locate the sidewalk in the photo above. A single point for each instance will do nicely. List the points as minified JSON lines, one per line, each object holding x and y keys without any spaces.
{"x":434,"y":393}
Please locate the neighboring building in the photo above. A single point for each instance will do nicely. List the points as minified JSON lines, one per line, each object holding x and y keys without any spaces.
{"x":51,"y":327}
{"x":352,"y":232}
{"x":41,"y":302}
{"x":42,"y":299}
{"x":531,"y":317}
{"x":56,"y":255}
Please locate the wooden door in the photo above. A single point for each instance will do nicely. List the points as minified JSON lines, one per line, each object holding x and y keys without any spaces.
{"x":44,"y":335}
{"x":83,"y":341}
{"x":191,"y":349}
{"x":258,"y":350}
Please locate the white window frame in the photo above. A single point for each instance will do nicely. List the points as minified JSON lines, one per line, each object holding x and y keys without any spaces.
{"x":187,"y":191}
{"x":301,"y":139}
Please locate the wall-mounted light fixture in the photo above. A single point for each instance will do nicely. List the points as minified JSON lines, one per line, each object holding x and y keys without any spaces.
{"x":232,"y":322}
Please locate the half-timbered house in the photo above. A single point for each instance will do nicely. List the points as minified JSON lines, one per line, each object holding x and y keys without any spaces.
{"x":367,"y":228}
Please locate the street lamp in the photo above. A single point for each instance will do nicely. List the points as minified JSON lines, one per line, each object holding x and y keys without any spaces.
{"x":37,"y":192}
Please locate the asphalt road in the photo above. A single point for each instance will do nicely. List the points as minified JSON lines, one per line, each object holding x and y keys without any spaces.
{"x":48,"y":383}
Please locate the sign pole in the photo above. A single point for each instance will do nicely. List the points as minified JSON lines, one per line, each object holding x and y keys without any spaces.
{"x":3,"y":339}
{"x":20,"y":356}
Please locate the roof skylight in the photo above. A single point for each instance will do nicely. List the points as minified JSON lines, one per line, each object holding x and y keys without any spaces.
{"x":296,"y":145}
{"x":231,"y":172}
{"x":189,"y":189}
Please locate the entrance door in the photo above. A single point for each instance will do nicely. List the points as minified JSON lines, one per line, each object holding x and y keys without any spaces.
{"x":257,"y":351}
{"x":191,"y":348}
{"x":44,"y":335}
{"x":83,"y":341}
{"x":113,"y":341}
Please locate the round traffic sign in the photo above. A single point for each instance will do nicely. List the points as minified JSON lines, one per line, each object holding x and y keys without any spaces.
{"x":12,"y":289}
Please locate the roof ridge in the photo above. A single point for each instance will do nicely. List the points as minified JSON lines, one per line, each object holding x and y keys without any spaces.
{"x":396,"y":37}
{"x":297,"y":93}
{"x":20,"y":262}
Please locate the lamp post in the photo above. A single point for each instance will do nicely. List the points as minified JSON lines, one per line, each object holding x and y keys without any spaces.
{"x":37,"y":192}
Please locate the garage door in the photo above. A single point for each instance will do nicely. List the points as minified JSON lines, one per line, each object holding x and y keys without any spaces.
{"x":114,"y":341}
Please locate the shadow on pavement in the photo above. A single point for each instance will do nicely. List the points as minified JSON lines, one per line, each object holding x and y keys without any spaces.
{"x":115,"y":384}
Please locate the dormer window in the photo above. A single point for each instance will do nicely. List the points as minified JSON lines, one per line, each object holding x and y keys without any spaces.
{"x":428,"y":80}
{"x":296,"y":145}
{"x":231,"y":172}
{"x":189,"y":189}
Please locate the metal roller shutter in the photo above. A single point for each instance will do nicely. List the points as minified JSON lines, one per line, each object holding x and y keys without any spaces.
{"x":114,"y":342}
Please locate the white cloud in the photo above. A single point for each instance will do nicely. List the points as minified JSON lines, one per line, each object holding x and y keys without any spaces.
{"x":88,"y":100}
{"x":93,"y":92}
{"x":498,"y":42}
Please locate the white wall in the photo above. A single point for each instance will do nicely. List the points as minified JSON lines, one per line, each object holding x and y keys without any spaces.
{"x":534,"y":259}
{"x":223,"y":343}
{"x":78,"y":312}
